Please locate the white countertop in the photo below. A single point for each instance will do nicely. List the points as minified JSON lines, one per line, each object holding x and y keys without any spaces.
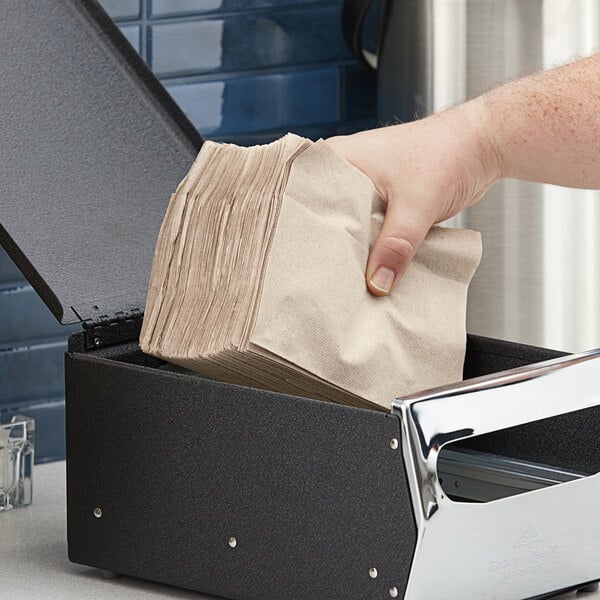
{"x":33,"y":554}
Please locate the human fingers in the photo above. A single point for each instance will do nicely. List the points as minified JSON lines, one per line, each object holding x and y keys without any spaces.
{"x":405,"y":226}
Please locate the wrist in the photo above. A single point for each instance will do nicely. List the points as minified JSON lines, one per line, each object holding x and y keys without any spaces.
{"x":487,"y":138}
{"x":466,"y":161}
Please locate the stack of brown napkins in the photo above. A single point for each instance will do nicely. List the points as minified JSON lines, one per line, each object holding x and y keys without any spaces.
{"x":259,"y":279}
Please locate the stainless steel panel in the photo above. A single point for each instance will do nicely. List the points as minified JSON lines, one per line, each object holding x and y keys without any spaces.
{"x":517,"y":547}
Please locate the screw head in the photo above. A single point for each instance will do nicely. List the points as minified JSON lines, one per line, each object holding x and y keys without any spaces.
{"x":96,"y":341}
{"x":394,"y":444}
{"x":97,"y":512}
{"x":393,"y":591}
{"x":373,"y":573}
{"x":232,"y":542}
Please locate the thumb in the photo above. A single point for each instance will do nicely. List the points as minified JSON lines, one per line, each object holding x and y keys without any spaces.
{"x":403,"y":230}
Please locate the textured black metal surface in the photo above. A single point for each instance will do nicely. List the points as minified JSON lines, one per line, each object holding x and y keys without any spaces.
{"x":568,"y":441}
{"x":91,"y":148}
{"x":312,"y":492}
{"x":485,"y":356}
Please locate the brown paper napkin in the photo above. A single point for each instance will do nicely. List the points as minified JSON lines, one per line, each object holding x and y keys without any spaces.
{"x":258,"y":279}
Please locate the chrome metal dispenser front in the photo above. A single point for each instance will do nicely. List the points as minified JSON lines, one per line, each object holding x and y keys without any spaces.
{"x":529,"y":545}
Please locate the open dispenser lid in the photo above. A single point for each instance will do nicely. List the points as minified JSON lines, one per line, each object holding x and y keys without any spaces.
{"x":91,"y":148}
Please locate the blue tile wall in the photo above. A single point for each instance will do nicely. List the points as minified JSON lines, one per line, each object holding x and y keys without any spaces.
{"x":133,"y":33}
{"x":8,"y":273}
{"x":25,"y":318}
{"x":32,"y":346}
{"x":123,"y":9}
{"x":250,"y":70}
{"x":245,"y":71}
{"x":248,"y":42}
{"x":30,"y":371}
{"x":263,"y":102}
{"x":166,"y":8}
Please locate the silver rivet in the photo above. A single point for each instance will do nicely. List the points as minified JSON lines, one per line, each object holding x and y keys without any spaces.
{"x":96,"y":341}
{"x":394,"y":444}
{"x":373,"y":573}
{"x":97,"y":512}
{"x":393,"y":592}
{"x":232,"y":542}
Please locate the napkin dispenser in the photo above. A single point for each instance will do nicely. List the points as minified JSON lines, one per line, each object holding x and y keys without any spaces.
{"x":513,"y":547}
{"x":235,"y":491}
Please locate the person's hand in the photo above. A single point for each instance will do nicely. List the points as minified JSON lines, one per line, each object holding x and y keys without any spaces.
{"x":427,"y":171}
{"x":542,"y":128}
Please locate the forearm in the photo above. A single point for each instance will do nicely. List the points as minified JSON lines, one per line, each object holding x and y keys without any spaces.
{"x":542,"y":128}
{"x":546,"y":127}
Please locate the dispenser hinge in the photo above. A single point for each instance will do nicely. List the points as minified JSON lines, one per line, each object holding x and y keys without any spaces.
{"x":106,"y":330}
